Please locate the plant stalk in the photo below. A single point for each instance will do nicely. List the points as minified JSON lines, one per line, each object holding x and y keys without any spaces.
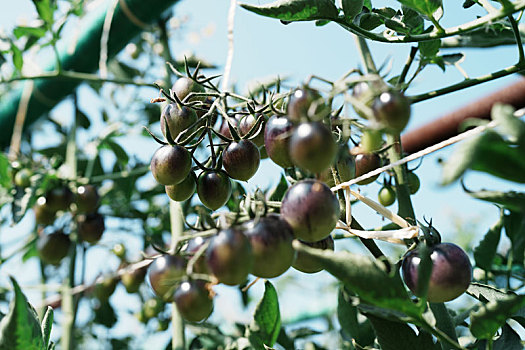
{"x":178,"y":341}
{"x":444,"y":322}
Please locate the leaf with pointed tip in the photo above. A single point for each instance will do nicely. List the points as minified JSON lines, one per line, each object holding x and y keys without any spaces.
{"x":20,"y":329}
{"x":296,"y":10}
{"x":510,"y":126}
{"x":514,"y":223}
{"x":365,"y":277}
{"x":490,"y":317}
{"x":351,"y":328}
{"x":485,"y":252}
{"x":266,"y":324}
{"x":486,"y":293}
{"x":47,"y":324}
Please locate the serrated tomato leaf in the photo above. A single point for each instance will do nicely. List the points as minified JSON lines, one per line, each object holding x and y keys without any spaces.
{"x":514,"y":223}
{"x":426,"y":7}
{"x":491,"y":316}
{"x":485,"y":251}
{"x":510,"y":126}
{"x":296,"y":10}
{"x":20,"y":328}
{"x":266,"y":324}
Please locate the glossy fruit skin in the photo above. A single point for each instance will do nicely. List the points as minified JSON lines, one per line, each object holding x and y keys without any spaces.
{"x":43,"y":215}
{"x":132,"y":280}
{"x":365,"y":163}
{"x":90,"y":227}
{"x":229,"y":256}
{"x":392,"y":110}
{"x":386,"y":196}
{"x":413,"y":182}
{"x":214,"y":189}
{"x":241,"y":159}
{"x":170,"y":164}
{"x":183,"y":190}
{"x":164,"y":275}
{"x":193,"y":300}
{"x":365,"y":92}
{"x":312,"y":147}
{"x":271,"y":240}
{"x":59,"y":198}
{"x":451,"y":272}
{"x":23,"y":177}
{"x":277,"y":134}
{"x":53,"y":247}
{"x":178,"y":118}
{"x":305,"y":264}
{"x":224,"y":130}
{"x":87,"y":199}
{"x":184,"y":86}
{"x":301,"y":101}
{"x":311,"y":209}
{"x":247,"y":122}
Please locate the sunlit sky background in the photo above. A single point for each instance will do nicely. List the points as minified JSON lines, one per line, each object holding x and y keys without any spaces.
{"x":264,"y":48}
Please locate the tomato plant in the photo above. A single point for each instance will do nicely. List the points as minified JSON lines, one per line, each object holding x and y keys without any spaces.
{"x":147,"y":191}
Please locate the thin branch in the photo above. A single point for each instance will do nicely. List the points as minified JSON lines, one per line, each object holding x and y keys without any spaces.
{"x":104,"y":39}
{"x":517,"y":34}
{"x":16,"y":138}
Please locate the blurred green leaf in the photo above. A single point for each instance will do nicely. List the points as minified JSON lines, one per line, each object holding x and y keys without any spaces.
{"x":277,"y":193}
{"x":296,"y":10}
{"x":514,"y":223}
{"x":21,"y":31}
{"x":105,"y":315}
{"x":490,"y":317}
{"x":266,"y":324}
{"x":20,"y":328}
{"x":18,"y":60}
{"x":488,"y":153}
{"x":508,"y":340}
{"x":393,"y":335}
{"x":5,"y":169}
{"x":118,"y":150}
{"x":511,"y":127}
{"x":514,"y":201}
{"x":45,"y":9}
{"x":486,"y":293}
{"x":82,"y":120}
{"x":369,"y":21}
{"x":485,"y":251}
{"x":47,"y":324}
{"x":412,"y":20}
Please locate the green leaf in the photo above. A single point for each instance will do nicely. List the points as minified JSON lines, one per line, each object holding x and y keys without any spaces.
{"x":278,"y":192}
{"x":82,"y":120}
{"x":45,"y":9}
{"x":514,"y":223}
{"x":514,"y":201}
{"x":5,"y":169}
{"x":365,"y":277}
{"x":18,"y":60}
{"x":120,"y":153}
{"x":20,"y":329}
{"x":21,"y":31}
{"x":369,"y":21}
{"x":412,"y":20}
{"x":352,"y":7}
{"x":510,"y":126}
{"x":488,"y":153}
{"x":351,"y":328}
{"x":429,"y":48}
{"x":485,"y":252}
{"x":508,"y":340}
{"x":47,"y":324}
{"x":490,"y":317}
{"x":296,"y":10}
{"x":266,"y":325}
{"x":393,"y":335}
{"x":426,"y":7}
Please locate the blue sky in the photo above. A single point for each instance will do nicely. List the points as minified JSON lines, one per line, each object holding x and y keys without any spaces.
{"x":264,"y":48}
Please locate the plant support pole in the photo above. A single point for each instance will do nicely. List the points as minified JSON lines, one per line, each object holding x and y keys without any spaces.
{"x":129,"y":19}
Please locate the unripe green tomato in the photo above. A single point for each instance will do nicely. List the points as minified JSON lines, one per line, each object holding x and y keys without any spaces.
{"x":43,"y":215}
{"x":119,"y":250}
{"x":23,"y":178}
{"x":53,"y":247}
{"x":59,"y":198}
{"x":132,"y":280}
{"x":183,"y":190}
{"x":386,"y":196}
{"x":104,"y":289}
{"x":152,"y":307}
{"x":413,"y":182}
{"x":87,"y":199}
{"x":305,"y":263}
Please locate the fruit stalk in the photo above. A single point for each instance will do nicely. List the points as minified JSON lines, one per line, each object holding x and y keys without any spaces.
{"x":178,"y":341}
